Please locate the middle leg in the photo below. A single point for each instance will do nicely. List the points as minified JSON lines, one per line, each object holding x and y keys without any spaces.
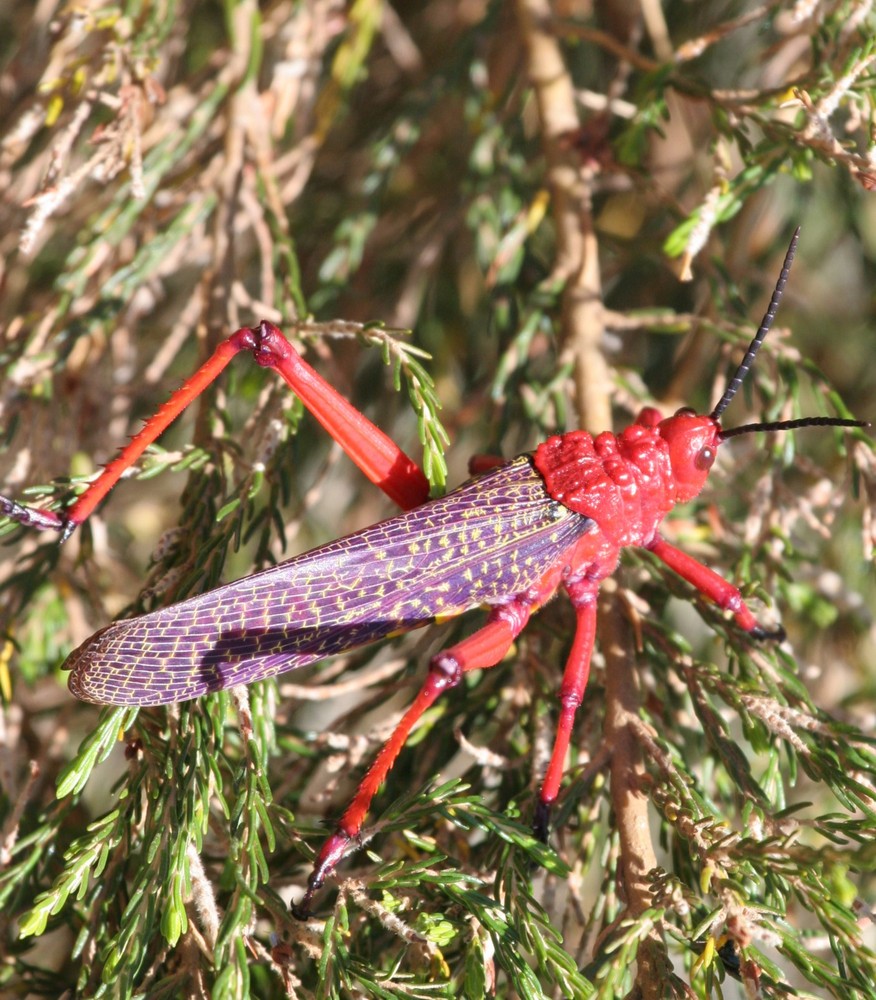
{"x":583,"y":595}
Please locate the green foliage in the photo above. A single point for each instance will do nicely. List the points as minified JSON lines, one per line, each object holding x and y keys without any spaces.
{"x":500,"y":198}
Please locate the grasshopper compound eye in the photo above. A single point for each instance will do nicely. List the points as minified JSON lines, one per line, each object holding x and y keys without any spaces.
{"x":705,"y":458}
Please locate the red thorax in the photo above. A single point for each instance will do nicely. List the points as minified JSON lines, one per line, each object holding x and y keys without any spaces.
{"x":628,"y":482}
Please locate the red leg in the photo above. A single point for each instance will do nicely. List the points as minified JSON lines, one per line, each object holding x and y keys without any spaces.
{"x":575,"y":677}
{"x":483,"y":649}
{"x":715,"y":587}
{"x":382,"y":461}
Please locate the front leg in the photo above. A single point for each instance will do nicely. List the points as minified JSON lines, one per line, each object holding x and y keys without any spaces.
{"x":715,"y":587}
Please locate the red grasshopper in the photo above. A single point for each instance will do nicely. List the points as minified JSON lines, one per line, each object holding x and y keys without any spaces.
{"x":507,"y":539}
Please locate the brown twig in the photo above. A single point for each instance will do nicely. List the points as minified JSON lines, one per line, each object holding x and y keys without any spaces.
{"x":622,"y":703}
{"x":570,"y":178}
{"x":571,"y":181}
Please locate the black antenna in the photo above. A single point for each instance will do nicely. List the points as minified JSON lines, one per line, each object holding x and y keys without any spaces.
{"x":751,"y":353}
{"x":787,"y":425}
{"x":764,"y":329}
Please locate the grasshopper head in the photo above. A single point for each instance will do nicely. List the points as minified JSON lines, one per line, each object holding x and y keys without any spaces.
{"x":693,"y":442}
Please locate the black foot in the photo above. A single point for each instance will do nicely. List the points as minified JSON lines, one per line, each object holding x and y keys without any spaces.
{"x":329,"y":857}
{"x":541,"y":821}
{"x":33,"y":517}
{"x":776,"y":635}
{"x":301,"y":911}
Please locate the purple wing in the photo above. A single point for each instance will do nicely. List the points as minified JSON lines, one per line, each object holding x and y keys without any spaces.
{"x":482,"y":544}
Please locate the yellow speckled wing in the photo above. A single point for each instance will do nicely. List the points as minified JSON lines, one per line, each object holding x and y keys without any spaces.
{"x":482,"y":544}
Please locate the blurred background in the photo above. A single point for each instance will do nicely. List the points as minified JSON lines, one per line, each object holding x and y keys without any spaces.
{"x":560,"y":212}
